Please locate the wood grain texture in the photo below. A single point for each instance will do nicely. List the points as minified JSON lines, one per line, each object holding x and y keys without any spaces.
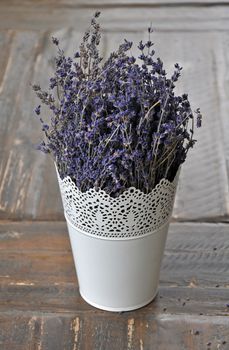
{"x":195,"y":254}
{"x":45,"y":16}
{"x":222,"y":81}
{"x":36,"y":262}
{"x":64,"y":297}
{"x":130,"y":331}
{"x":26,"y":176}
{"x":28,"y":184}
{"x":202,"y":250}
{"x":103,"y":3}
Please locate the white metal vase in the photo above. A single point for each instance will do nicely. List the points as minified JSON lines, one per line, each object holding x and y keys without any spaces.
{"x":118,"y":243}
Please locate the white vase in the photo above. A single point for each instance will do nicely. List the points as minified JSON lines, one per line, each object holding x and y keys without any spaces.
{"x":118,"y":243}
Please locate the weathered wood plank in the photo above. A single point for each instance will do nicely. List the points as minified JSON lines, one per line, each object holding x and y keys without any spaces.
{"x":34,"y":236}
{"x":196,"y":255}
{"x":37,"y":271}
{"x":65,"y":298}
{"x":5,"y":43}
{"x":102,"y":3}
{"x":201,"y":251}
{"x":222,"y":82}
{"x":17,"y":126}
{"x":45,"y":16}
{"x":130,"y":331}
{"x":28,"y":186}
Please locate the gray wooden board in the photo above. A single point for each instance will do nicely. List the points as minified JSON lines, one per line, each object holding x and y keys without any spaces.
{"x":40,"y":305}
{"x":102,"y":3}
{"x":64,"y":297}
{"x":102,"y":331}
{"x":31,"y":253}
{"x":42,"y":16}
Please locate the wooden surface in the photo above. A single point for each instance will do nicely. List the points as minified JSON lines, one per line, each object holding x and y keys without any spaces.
{"x":40,"y":306}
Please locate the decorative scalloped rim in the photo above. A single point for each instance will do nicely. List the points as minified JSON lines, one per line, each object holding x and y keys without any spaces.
{"x":103,"y":195}
{"x":123,"y":195}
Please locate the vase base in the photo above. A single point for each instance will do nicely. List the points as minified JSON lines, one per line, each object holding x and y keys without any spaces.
{"x":119,"y":309}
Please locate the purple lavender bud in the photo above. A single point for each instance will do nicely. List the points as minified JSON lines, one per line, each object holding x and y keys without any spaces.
{"x":36,"y":87}
{"x":37,"y":110}
{"x":142,"y":57}
{"x":185,"y":96}
{"x":141,"y":46}
{"x":177,"y":66}
{"x":150,"y":29}
{"x":55,"y":41}
{"x":42,"y":147}
{"x":152,"y":53}
{"x":198,"y":118}
{"x":149,"y":43}
{"x":132,"y":60}
{"x":53,"y":83}
{"x":112,"y":121}
{"x":45,"y":127}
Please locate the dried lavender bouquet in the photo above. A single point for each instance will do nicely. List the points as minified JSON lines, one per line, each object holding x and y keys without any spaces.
{"x":118,"y":123}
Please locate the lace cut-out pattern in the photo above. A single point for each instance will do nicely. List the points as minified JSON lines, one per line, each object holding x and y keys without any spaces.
{"x":132,"y":214}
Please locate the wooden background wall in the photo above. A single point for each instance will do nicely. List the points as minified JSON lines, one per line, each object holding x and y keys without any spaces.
{"x":193,"y":33}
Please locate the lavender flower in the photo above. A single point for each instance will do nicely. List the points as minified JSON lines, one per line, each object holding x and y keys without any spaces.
{"x":115,"y":123}
{"x":38,"y":110}
{"x":55,"y":41}
{"x":198,"y":118}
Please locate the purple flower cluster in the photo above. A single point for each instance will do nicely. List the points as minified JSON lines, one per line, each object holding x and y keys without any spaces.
{"x":118,"y":123}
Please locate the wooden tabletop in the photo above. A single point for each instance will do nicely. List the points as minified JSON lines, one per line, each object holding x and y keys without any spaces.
{"x":40,"y":305}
